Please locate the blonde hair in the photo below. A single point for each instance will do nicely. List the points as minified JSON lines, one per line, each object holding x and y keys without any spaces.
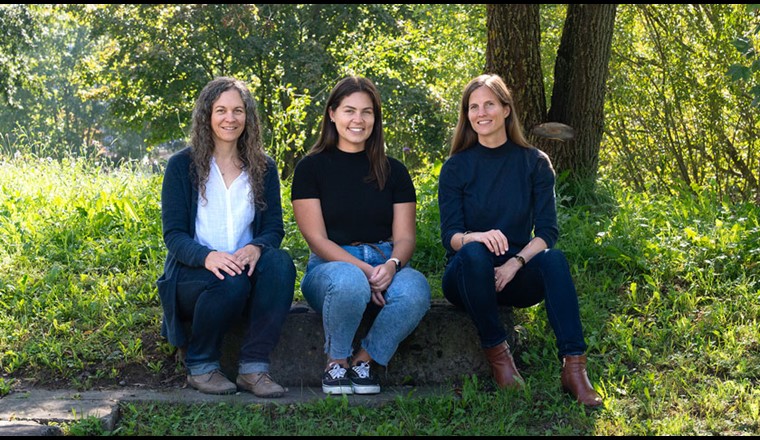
{"x":465,"y":136}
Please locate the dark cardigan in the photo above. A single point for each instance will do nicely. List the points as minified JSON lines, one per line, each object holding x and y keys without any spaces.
{"x":179,"y":206}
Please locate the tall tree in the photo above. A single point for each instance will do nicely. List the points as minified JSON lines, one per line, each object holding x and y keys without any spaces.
{"x":17,"y":28}
{"x":514,"y":53}
{"x":580,"y":73}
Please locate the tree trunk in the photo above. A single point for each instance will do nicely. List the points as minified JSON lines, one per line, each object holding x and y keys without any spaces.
{"x":513,"y":51}
{"x":580,"y":75}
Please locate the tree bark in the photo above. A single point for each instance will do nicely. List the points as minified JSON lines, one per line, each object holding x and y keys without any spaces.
{"x":513,"y":51}
{"x":580,"y":76}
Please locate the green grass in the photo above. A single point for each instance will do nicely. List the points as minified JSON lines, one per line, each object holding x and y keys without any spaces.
{"x":669,"y":289}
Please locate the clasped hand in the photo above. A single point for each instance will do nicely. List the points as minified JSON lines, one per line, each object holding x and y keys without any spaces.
{"x":379,"y":279}
{"x":235,"y":263}
{"x":495,"y":240}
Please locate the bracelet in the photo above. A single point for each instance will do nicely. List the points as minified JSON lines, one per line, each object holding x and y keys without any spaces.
{"x":520,"y":259}
{"x":396,"y":262}
{"x":463,"y":234}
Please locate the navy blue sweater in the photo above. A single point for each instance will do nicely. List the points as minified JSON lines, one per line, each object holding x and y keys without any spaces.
{"x":179,"y":207}
{"x":510,"y":188}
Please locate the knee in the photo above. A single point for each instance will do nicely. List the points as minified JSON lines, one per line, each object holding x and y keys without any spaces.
{"x":348,"y":279}
{"x":419,"y":284}
{"x":553,"y":260}
{"x":415,"y":289}
{"x":474,"y":261}
{"x":236,"y":286}
{"x":339,"y":280}
{"x":475,"y":253}
{"x":277,"y":261}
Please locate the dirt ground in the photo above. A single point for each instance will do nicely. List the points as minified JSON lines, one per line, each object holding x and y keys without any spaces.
{"x":129,"y":374}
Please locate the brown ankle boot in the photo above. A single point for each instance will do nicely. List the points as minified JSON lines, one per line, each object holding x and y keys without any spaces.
{"x":503,"y":366}
{"x":575,"y":380}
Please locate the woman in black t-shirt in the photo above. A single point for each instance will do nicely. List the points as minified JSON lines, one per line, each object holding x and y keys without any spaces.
{"x":356,"y":209}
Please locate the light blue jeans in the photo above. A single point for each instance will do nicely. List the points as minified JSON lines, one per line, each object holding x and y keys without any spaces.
{"x":340,"y":292}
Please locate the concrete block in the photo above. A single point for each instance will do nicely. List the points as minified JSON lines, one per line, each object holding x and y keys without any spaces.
{"x":443,"y":348}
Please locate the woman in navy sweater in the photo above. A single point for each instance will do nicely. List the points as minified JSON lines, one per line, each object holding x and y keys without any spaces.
{"x":222,"y":223}
{"x":498,"y":225}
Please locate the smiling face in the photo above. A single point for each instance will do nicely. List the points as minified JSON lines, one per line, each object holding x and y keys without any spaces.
{"x":487,"y":117}
{"x":354,"y":119}
{"x":228,"y":118}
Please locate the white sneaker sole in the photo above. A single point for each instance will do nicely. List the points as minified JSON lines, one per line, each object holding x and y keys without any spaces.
{"x":366,"y":389}
{"x":337,"y":389}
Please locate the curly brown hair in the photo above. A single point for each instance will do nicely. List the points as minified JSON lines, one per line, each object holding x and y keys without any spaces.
{"x":250,"y":148}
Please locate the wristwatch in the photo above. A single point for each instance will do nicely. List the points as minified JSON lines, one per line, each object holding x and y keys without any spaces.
{"x":397,"y":261}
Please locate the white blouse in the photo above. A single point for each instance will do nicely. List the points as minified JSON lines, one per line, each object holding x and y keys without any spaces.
{"x":224,"y":219}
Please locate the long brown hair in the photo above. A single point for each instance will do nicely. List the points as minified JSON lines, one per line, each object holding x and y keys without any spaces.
{"x":465,"y":136}
{"x":250,"y":148}
{"x":375,"y":145}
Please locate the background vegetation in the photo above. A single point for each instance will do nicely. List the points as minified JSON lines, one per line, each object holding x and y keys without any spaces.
{"x":119,"y":81}
{"x":665,"y":250}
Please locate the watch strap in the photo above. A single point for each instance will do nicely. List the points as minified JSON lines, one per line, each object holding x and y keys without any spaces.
{"x":397,"y":262}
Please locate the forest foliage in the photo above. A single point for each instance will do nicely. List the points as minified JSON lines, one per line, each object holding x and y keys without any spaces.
{"x":118,"y":82}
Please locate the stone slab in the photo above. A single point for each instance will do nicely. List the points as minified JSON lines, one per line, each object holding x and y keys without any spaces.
{"x":442,"y":348}
{"x":34,"y":412}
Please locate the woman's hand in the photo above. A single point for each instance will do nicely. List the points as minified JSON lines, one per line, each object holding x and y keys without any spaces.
{"x":233,"y":264}
{"x":495,"y":240}
{"x":503,"y":274}
{"x":218,"y":262}
{"x":379,"y":280}
{"x":248,"y":254}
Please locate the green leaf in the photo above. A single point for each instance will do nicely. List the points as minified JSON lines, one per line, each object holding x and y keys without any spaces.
{"x":737,"y":72}
{"x":755,"y":91}
{"x":743,"y":45}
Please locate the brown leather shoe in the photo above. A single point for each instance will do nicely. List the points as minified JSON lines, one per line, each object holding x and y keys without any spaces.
{"x":575,"y":381}
{"x":212,"y":383}
{"x":503,"y":366}
{"x":260,"y":384}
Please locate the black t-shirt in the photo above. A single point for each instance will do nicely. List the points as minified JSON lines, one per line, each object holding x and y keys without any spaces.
{"x":353,"y":209}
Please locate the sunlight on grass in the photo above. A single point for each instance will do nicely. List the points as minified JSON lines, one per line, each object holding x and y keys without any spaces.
{"x":81,"y":249}
{"x":668,"y":289}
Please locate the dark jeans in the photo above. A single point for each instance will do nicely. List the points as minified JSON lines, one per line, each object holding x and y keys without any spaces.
{"x":213,"y":305}
{"x":468,"y":282}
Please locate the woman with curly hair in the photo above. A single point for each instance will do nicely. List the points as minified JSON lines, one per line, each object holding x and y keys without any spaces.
{"x":222,"y":224}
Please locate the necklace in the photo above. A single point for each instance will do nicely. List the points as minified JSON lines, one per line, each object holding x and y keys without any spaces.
{"x":228,"y":169}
